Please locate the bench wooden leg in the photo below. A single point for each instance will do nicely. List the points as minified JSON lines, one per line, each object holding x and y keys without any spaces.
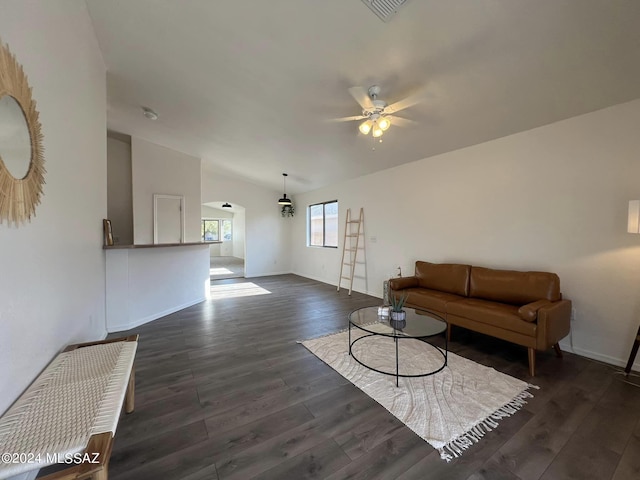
{"x":102,"y":474}
{"x":556,"y":347}
{"x":532,"y":362}
{"x":100,"y":444}
{"x":103,"y":444}
{"x":129,"y":399}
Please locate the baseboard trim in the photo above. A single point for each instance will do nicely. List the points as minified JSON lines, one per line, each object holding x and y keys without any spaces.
{"x":154,"y":316}
{"x":313,"y":277}
{"x":266,"y":274}
{"x":322,"y":280}
{"x":618,"y":362}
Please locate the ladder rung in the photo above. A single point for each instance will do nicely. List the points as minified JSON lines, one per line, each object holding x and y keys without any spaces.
{"x":354,"y":221}
{"x":347,"y":263}
{"x":350,"y":249}
{"x":346,"y":278}
{"x":352,"y":235}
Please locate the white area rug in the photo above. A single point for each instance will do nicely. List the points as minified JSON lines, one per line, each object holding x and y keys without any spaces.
{"x":451,"y":409}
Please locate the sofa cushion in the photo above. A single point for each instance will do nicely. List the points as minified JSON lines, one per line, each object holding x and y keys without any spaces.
{"x":516,"y":288}
{"x":445,"y":277}
{"x":492,"y":313}
{"x":430,"y":299}
{"x":400,"y":283}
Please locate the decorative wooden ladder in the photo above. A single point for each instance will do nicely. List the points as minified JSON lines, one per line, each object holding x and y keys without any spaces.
{"x":350,"y":247}
{"x":634,"y":352}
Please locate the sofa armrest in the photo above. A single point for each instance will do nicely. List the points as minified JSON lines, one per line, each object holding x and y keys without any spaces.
{"x":554,"y":323}
{"x":403,"y":282}
{"x":529,"y":312}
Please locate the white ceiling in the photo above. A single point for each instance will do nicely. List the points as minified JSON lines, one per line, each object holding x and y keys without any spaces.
{"x":248,"y":85}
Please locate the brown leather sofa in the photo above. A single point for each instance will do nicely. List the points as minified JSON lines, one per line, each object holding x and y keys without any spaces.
{"x":525,"y":308}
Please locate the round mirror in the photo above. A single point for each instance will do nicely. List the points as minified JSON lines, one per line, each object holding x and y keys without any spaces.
{"x":21,"y":160}
{"x":15,"y":143}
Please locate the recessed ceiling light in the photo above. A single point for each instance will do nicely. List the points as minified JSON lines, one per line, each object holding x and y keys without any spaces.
{"x":150,"y":114}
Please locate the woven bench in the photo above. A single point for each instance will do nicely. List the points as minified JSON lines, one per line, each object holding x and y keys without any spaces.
{"x":70,"y":412}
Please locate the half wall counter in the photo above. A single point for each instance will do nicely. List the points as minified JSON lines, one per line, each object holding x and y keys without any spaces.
{"x":146,"y":282}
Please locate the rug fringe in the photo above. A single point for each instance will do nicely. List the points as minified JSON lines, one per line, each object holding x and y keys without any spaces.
{"x":456,"y":447}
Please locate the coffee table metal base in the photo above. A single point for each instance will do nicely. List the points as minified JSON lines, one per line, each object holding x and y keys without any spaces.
{"x":443,"y":352}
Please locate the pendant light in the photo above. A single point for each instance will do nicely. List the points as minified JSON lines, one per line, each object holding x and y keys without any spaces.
{"x":226,"y":205}
{"x":284,"y":200}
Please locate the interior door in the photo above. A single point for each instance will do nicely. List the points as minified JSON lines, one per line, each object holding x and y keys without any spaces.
{"x":168,"y":219}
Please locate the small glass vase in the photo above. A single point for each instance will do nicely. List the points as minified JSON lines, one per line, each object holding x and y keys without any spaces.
{"x":398,"y":316}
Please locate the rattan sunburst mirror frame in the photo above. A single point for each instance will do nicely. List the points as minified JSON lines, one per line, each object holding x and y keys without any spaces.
{"x":20,"y":196}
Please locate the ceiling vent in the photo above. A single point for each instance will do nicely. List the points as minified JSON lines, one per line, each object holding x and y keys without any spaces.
{"x":385,"y":9}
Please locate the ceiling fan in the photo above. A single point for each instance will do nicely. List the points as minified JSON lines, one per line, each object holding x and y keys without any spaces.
{"x":377,"y":115}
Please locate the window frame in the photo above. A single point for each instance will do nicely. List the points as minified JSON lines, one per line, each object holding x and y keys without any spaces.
{"x":203,"y":228}
{"x":324,"y":223}
{"x":220,"y":229}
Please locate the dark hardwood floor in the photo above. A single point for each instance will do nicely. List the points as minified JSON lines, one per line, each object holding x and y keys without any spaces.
{"x":223,"y":391}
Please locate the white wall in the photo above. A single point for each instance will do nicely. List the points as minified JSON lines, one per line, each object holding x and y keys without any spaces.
{"x":238,"y":234}
{"x":144,"y":284}
{"x":160,"y":170}
{"x":52,"y":278}
{"x":267,"y":234}
{"x":210,"y":212}
{"x":119,"y":190}
{"x":552,"y":199}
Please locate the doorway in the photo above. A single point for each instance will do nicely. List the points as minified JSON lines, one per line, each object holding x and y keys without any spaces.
{"x":223,"y":229}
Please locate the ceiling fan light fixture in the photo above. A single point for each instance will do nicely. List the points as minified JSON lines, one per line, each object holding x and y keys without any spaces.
{"x":377,"y":116}
{"x":284,"y":200}
{"x":365,"y":127}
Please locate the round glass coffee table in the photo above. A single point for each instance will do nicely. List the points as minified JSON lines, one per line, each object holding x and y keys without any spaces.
{"x":418,"y":325}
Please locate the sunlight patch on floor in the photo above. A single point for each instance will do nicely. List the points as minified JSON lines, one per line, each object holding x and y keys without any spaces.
{"x":233,"y":290}
{"x":219,"y":271}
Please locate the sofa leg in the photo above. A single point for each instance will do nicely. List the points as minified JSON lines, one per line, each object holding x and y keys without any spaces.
{"x":556,"y":347}
{"x":532,"y":362}
{"x":448,"y":332}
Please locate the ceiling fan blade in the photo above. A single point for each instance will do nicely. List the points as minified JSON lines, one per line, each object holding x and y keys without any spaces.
{"x":407,"y":102}
{"x":401,"y":122}
{"x":361,"y":96}
{"x":347,"y":119}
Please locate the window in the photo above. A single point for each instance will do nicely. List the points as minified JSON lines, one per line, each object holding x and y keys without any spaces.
{"x":323,"y":224}
{"x":226,"y":230}
{"x":212,"y":230}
